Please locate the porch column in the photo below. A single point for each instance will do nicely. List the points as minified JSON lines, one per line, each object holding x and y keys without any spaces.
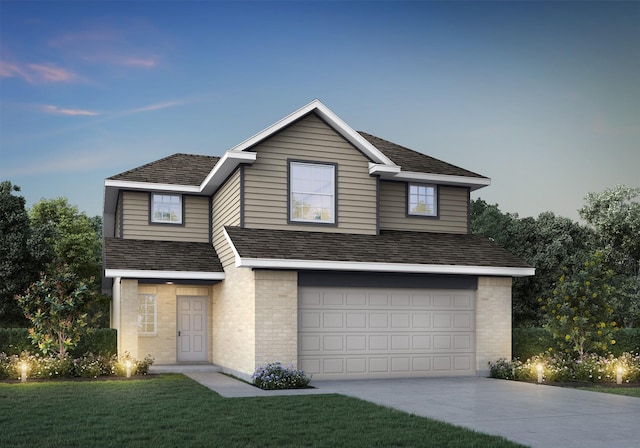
{"x":493,"y":321}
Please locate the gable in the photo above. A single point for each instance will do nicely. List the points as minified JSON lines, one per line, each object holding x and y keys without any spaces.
{"x":310,"y":139}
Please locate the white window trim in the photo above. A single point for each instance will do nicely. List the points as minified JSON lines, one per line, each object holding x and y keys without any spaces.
{"x":333,"y":219}
{"x":435,"y":200}
{"x":155,"y":315}
{"x":152,"y":218}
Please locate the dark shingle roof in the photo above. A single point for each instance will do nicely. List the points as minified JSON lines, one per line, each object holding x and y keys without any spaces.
{"x":410,"y":160}
{"x":388,"y":247}
{"x":178,"y":169}
{"x":160,"y":255}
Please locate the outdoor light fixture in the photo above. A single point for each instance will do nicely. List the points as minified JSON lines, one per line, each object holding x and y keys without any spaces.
{"x":127,"y":365}
{"x":23,"y":372}
{"x":619,"y":372}
{"x":540,"y":372}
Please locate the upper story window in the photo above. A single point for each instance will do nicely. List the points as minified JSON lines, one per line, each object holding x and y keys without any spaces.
{"x":312,"y":192}
{"x":166,"y":208}
{"x":422,"y":200}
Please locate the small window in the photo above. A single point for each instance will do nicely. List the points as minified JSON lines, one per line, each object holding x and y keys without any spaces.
{"x":147,"y":313}
{"x":422,"y":200}
{"x":312,"y":192}
{"x":166,"y":208}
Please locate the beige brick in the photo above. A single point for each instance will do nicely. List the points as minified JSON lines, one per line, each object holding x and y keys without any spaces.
{"x":493,"y":321}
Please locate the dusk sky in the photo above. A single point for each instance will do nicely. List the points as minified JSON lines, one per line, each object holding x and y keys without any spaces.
{"x":542,"y":97}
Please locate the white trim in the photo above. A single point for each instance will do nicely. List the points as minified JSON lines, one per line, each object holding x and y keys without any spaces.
{"x":132,"y":185}
{"x":383,"y":170}
{"x":233,"y":248}
{"x":225,"y":166}
{"x":442,"y":179}
{"x":266,"y":263}
{"x":170,"y":275}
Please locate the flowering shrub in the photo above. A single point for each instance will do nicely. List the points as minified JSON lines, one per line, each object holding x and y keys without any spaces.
{"x":591,"y":368}
{"x":275,"y":376}
{"x":88,"y":366}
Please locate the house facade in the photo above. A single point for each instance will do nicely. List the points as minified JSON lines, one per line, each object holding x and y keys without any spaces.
{"x":309,"y":243}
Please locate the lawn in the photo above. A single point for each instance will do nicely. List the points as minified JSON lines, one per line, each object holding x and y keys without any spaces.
{"x":629,"y":391}
{"x":172,"y":410}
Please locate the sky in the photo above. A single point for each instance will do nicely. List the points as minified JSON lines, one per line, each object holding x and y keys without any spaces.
{"x":542,"y":97}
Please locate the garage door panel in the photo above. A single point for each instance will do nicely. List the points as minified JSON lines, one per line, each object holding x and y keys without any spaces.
{"x":375,"y":333}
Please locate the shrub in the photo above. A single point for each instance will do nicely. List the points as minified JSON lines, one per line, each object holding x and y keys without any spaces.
{"x":591,"y":368}
{"x":14,"y":341}
{"x":138,"y":367}
{"x":275,"y":376}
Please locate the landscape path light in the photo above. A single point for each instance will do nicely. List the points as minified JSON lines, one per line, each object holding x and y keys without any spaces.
{"x":619,"y":372}
{"x":540,"y":369}
{"x":23,"y":371}
{"x":127,"y":365}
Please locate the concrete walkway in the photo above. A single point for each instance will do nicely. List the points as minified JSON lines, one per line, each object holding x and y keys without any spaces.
{"x":534,"y":415}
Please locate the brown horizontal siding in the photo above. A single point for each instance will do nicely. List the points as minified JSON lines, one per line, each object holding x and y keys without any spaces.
{"x":265,"y":192}
{"x":452,"y":213}
{"x":135,"y":220}
{"x":226,"y":212}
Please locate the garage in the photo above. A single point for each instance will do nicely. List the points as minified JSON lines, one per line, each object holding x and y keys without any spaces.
{"x":373,"y":332}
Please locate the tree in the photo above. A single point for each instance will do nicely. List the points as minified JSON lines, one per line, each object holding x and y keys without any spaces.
{"x":615,"y":216}
{"x":548,"y":243}
{"x":61,"y":309}
{"x":578,"y":313}
{"x":76,"y":239}
{"x":23,"y":253}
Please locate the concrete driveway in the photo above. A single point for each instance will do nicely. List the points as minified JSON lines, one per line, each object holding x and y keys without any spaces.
{"x":534,"y":415}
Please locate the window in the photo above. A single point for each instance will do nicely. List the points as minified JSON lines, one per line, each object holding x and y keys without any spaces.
{"x":166,"y":208}
{"x":422,"y":200}
{"x":312,"y":188}
{"x":147,"y":314}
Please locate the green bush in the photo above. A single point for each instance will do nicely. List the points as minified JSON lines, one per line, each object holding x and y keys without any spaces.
{"x":103,"y":341}
{"x":561,"y":368}
{"x":530,"y":341}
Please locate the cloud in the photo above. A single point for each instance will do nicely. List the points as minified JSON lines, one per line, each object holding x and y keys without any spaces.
{"x":107,"y":58}
{"x":36,"y":73}
{"x":55,"y":110}
{"x":156,"y":106}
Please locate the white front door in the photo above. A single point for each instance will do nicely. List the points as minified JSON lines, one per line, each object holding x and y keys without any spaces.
{"x":192,"y":329}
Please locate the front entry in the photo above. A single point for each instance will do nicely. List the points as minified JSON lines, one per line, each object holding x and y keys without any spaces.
{"x":192,"y":329}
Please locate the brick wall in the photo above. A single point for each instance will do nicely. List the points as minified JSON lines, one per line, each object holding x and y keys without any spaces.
{"x":276,"y":317}
{"x":493,"y":321}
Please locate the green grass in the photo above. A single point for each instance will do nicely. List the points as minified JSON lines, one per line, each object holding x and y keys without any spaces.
{"x":172,"y":411}
{"x":629,"y":391}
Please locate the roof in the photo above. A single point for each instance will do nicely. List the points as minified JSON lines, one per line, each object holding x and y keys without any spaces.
{"x":396,"y":251}
{"x":177,"y":169}
{"x":167,"y":256}
{"x":410,"y":160}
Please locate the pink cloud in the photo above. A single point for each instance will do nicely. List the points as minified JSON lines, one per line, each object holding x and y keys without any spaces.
{"x":36,"y":73}
{"x":139,"y":62}
{"x":72,"y":112}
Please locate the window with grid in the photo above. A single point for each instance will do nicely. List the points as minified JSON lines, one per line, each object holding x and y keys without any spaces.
{"x":422,"y":200}
{"x":147,"y":314}
{"x":312,"y":192}
{"x":166,"y":208}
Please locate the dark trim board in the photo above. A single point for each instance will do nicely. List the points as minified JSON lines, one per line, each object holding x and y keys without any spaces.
{"x":386,"y":280}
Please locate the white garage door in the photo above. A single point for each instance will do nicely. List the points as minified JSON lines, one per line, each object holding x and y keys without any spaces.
{"x":385,"y":333}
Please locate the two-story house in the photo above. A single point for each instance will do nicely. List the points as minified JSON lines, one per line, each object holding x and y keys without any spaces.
{"x":308,"y":243}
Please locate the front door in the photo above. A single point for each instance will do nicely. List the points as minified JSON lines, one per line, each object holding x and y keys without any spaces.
{"x":192,"y":329}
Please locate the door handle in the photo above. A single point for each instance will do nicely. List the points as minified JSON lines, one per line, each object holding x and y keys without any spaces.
{"x":179,"y":333}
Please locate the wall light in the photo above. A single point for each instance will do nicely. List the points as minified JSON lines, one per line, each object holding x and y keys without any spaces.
{"x":127,"y":365}
{"x":619,"y":372}
{"x":540,"y":369}
{"x":23,"y":371}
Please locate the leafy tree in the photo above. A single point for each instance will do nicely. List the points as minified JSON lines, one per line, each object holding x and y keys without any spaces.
{"x":76,"y":239}
{"x":23,"y":253}
{"x":615,"y":215}
{"x":548,"y":243}
{"x":578,"y":313}
{"x":61,"y":309}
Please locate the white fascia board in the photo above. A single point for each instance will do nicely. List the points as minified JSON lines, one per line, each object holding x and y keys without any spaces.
{"x":131,"y":185}
{"x":225,"y":166}
{"x":170,"y":275}
{"x":331,"y":118}
{"x":383,"y":170}
{"x":382,"y":267}
{"x":233,"y":248}
{"x":443,"y":179}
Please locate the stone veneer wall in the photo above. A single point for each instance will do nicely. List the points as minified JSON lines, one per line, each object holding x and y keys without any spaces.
{"x":276,"y":317}
{"x":493,"y":321}
{"x":128,"y":316}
